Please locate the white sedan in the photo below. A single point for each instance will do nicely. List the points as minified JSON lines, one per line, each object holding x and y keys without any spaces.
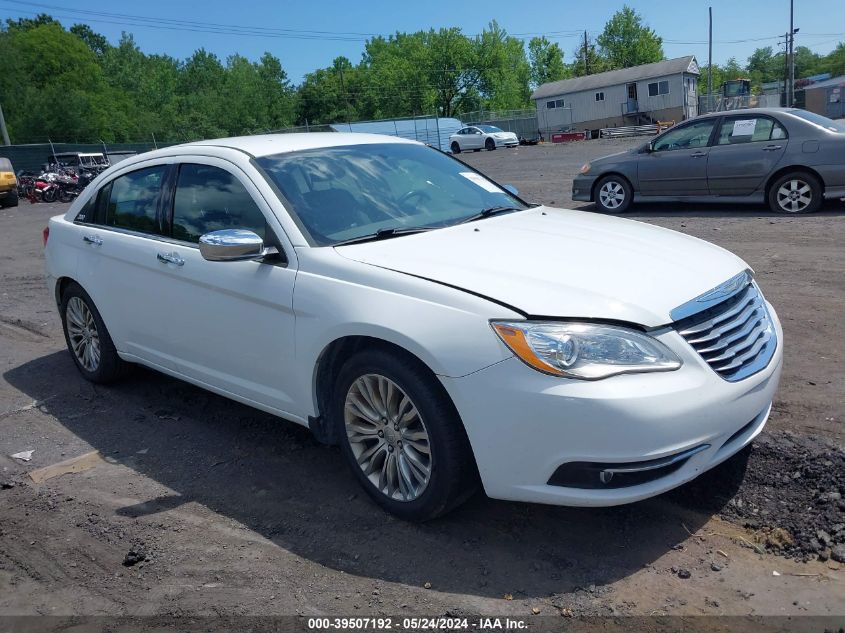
{"x":402,"y":305}
{"x":478,"y":137}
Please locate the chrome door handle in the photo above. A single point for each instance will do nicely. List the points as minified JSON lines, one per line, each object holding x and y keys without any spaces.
{"x":772,"y":148}
{"x":171,"y":258}
{"x":698,"y":155}
{"x":92,"y":239}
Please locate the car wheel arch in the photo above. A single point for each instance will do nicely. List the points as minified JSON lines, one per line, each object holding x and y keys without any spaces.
{"x":791,"y":168}
{"x":61,"y":285}
{"x":331,"y":360}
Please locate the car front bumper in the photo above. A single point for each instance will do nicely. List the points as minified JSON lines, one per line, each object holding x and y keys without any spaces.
{"x":582,"y":188}
{"x":524,"y":425}
{"x":506,"y":142}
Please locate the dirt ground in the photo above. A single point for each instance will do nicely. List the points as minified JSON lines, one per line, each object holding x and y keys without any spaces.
{"x":201,"y":506}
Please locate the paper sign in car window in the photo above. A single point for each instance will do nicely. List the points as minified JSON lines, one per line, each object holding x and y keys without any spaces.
{"x":744,"y":127}
{"x":480,"y":181}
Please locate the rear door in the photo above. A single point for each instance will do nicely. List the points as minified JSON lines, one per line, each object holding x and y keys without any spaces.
{"x":745,"y":151}
{"x":677,"y":166}
{"x":119,"y":235}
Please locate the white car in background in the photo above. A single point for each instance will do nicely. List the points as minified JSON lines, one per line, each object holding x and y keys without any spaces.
{"x":404,"y":306}
{"x":478,"y":137}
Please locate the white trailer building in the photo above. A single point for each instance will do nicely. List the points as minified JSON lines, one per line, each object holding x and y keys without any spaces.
{"x":663,"y":91}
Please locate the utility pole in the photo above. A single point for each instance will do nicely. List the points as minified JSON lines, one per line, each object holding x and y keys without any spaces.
{"x":3,"y":128}
{"x":586,"y":56}
{"x":785,"y":68}
{"x":710,"y":58}
{"x":791,"y":94}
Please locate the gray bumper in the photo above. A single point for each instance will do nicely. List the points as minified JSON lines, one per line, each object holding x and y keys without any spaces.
{"x":582,"y":188}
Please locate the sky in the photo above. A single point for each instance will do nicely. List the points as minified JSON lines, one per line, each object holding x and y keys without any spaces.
{"x":309,"y":35}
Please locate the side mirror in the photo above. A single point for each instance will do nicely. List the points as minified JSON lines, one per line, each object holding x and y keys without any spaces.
{"x":231,"y":245}
{"x":650,"y":147}
{"x":511,"y":189}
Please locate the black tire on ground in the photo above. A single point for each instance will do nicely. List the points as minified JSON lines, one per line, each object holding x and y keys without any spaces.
{"x":11,"y":200}
{"x":49,"y":195}
{"x":110,"y":366}
{"x":613,"y":194}
{"x":453,"y":476}
{"x":456,"y":148}
{"x":65,"y":195}
{"x":796,"y":192}
{"x":490,"y":144}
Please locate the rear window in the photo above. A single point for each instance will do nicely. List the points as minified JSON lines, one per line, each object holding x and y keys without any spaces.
{"x":5,"y":164}
{"x":821,"y":121}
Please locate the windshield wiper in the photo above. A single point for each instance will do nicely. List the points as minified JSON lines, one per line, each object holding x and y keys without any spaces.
{"x":489,"y":211}
{"x":383,"y":234}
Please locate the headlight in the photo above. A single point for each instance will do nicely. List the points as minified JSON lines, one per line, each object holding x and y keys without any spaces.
{"x":587,"y":351}
{"x":585,"y":168}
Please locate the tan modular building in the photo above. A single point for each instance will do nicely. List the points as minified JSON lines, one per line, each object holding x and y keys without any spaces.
{"x":826,"y":97}
{"x":663,"y":91}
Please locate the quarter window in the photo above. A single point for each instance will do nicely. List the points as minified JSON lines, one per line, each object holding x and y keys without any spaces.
{"x":133,"y":200}
{"x":749,"y":130}
{"x":212,"y":199}
{"x":658,"y":88}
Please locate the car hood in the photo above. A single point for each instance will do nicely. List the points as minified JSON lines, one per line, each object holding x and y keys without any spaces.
{"x":558,"y":263}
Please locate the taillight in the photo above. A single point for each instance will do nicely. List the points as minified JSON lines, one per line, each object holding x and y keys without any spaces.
{"x":45,"y":235}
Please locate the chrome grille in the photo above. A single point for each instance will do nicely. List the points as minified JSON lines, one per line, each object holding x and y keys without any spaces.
{"x":736,"y":337}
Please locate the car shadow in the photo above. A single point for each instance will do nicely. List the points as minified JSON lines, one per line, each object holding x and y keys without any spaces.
{"x":654,"y":210}
{"x":271,"y":476}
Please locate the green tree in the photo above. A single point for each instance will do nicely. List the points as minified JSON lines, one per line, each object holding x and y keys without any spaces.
{"x":626,"y":41}
{"x":504,"y":70}
{"x":546,"y":60}
{"x":96,"y":42}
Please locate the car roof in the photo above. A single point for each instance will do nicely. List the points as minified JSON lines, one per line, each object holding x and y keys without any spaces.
{"x":267,"y":144}
{"x":748,"y":111}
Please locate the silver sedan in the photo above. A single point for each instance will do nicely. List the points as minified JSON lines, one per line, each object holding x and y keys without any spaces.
{"x":790,"y":158}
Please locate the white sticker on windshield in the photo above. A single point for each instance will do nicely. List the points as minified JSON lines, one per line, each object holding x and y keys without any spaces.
{"x":481,"y":181}
{"x":744,"y":127}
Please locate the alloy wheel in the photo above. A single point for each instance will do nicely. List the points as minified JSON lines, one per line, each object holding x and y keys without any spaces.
{"x":82,"y":333}
{"x":388,"y":437}
{"x":794,"y":196}
{"x":612,"y":195}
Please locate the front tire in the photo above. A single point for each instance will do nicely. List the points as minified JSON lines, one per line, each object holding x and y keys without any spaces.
{"x":87,"y":338}
{"x":490,"y":144}
{"x":11,"y":200}
{"x":456,"y":148}
{"x":401,"y":435}
{"x":614,"y":194}
{"x":795,"y":192}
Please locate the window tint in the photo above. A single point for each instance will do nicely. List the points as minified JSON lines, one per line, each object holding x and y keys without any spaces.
{"x":211,"y":199}
{"x":749,"y":130}
{"x":692,"y":135}
{"x":133,"y":200}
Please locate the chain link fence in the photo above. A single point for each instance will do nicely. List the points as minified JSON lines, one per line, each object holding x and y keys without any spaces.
{"x":523,"y":122}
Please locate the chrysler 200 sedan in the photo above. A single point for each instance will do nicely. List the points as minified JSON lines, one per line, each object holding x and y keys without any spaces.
{"x":404,"y":306}
{"x":789,"y":158}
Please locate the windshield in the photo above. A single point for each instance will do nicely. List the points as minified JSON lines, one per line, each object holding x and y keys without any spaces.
{"x":821,"y":121}
{"x":343,"y":193}
{"x":490,"y":129}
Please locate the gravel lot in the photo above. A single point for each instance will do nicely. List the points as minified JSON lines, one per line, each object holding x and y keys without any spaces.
{"x":201,"y":506}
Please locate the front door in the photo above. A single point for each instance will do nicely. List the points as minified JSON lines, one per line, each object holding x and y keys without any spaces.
{"x":677,"y":164}
{"x":745,"y":151}
{"x":633,"y":103}
{"x":231,"y":324}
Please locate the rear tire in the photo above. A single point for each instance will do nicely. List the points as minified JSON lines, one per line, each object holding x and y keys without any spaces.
{"x":456,"y":148}
{"x":87,"y":338}
{"x":490,"y":144}
{"x":383,"y":399}
{"x":49,"y":195}
{"x":795,"y":192}
{"x":613,"y":194}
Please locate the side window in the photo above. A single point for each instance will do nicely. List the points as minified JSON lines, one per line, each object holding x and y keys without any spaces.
{"x":211,"y":199}
{"x":133,"y":200}
{"x":749,"y":130}
{"x":686,"y":137}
